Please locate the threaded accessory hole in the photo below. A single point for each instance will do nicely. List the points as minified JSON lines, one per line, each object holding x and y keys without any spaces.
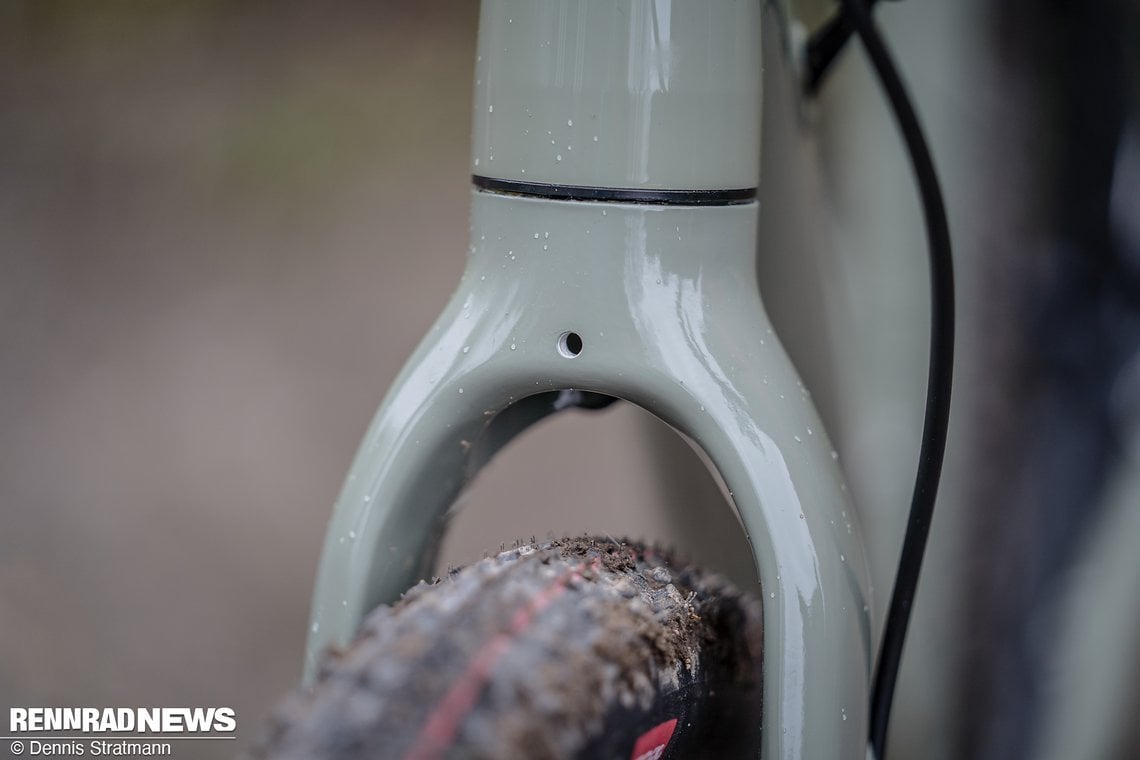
{"x":569,"y":344}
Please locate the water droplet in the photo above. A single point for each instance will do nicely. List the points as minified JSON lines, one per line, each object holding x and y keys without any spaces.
{"x":546,"y":235}
{"x":773,"y":594}
{"x":476,"y":162}
{"x":490,"y":109}
{"x":536,"y":236}
{"x":842,"y":558}
{"x":460,"y":391}
{"x":798,"y":439}
{"x":316,"y":627}
{"x":513,"y":346}
{"x":569,"y":122}
{"x":603,"y":212}
{"x":558,"y":157}
{"x":544,"y":247}
{"x":466,"y":349}
{"x":352,"y":535}
{"x":367,"y":499}
{"x":835,"y":455}
{"x":595,"y":138}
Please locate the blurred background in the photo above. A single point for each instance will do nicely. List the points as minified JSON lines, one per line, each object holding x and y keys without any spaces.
{"x":225,"y":225}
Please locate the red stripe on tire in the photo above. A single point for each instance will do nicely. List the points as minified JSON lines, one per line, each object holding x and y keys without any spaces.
{"x":651,"y":745}
{"x":442,"y":726}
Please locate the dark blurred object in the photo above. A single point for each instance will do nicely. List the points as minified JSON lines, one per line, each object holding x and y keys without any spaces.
{"x":1081,"y":331}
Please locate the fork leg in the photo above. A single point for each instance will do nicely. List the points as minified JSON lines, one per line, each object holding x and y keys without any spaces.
{"x":685,"y":336}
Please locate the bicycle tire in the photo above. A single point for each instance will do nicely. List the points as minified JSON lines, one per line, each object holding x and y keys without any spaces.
{"x":574,"y":648}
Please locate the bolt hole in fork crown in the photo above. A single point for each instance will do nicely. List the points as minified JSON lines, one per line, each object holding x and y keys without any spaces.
{"x":653,"y":106}
{"x":570,"y":344}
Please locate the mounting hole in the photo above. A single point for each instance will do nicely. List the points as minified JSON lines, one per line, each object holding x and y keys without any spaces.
{"x":569,"y":344}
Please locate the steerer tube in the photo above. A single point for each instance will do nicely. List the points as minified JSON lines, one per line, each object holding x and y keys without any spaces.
{"x":635,"y":95}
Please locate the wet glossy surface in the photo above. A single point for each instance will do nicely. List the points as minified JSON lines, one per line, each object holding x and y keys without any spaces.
{"x":667,"y":309}
{"x":630,"y":93}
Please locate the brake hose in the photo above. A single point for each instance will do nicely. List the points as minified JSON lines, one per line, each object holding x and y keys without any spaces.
{"x":821,"y":50}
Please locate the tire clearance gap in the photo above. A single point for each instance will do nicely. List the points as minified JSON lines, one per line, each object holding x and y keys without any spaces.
{"x":729,"y":197}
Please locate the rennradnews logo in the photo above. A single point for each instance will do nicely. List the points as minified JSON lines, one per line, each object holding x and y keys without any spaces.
{"x":141,"y":720}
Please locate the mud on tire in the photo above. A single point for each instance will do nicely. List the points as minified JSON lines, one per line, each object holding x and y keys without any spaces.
{"x":577,"y":648}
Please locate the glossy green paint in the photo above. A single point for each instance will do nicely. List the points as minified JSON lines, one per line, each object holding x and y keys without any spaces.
{"x":667,"y":307}
{"x":652,"y":94}
{"x":671,"y":320}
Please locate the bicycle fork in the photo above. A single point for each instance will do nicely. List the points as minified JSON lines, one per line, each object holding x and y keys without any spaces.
{"x":613,"y":233}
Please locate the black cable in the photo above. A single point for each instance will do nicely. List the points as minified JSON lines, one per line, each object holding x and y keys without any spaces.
{"x":940,"y":373}
{"x":823,"y":48}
